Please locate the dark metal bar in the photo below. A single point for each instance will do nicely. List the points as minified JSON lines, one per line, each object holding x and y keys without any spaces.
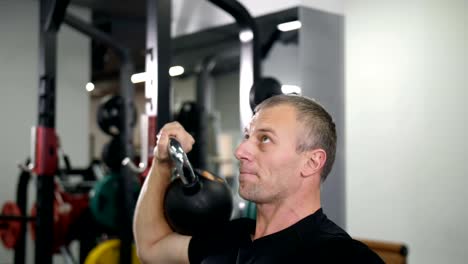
{"x":21,"y":201}
{"x":205,"y":102}
{"x":127,"y":176}
{"x":250,"y":54}
{"x":204,"y":89}
{"x":266,"y":48}
{"x":44,"y":221}
{"x":245,"y":21}
{"x":97,"y":35}
{"x":46,"y":147}
{"x":55,"y":16}
{"x":158,"y":40}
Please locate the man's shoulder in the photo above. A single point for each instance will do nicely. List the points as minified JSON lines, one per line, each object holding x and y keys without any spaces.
{"x":344,"y":250}
{"x":332,"y":244}
{"x":318,"y":227}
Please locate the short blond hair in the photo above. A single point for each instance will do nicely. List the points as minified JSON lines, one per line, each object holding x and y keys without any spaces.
{"x":318,"y":126}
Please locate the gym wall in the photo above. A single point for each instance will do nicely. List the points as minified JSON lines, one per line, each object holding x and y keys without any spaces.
{"x":406,"y":90}
{"x":19,"y":45}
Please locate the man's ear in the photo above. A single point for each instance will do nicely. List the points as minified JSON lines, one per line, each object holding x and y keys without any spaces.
{"x":315,"y":160}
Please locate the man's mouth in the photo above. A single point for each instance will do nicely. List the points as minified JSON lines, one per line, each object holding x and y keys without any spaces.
{"x":244,"y":174}
{"x":246,"y":171}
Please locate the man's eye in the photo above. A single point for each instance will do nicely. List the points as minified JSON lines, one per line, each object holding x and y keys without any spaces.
{"x":265,"y":139}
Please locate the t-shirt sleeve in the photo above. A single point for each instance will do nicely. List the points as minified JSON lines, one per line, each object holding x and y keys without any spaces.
{"x":199,"y":248}
{"x":222,"y":241}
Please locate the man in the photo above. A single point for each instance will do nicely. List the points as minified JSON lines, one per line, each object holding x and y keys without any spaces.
{"x":287,"y":152}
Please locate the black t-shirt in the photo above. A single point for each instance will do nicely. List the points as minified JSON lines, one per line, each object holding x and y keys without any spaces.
{"x":314,"y":239}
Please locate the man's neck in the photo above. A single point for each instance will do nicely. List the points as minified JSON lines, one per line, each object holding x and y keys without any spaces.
{"x":272,"y":218}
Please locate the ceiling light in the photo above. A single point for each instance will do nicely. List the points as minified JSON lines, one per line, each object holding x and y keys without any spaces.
{"x":288,"y":26}
{"x":90,"y":87}
{"x":138,"y":77}
{"x":176,"y":71}
{"x":141,"y":77}
{"x":291,"y":89}
{"x":246,"y":35}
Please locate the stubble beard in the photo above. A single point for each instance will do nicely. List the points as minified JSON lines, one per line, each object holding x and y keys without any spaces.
{"x":255,"y":192}
{"x":249,"y":191}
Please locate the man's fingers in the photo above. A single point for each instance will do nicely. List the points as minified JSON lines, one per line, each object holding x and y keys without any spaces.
{"x":176,"y":131}
{"x":161,"y":146}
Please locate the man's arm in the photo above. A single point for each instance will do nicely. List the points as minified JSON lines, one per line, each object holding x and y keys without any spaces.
{"x":156,"y":242}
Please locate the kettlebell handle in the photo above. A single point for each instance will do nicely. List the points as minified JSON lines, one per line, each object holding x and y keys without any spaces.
{"x":180,"y":159}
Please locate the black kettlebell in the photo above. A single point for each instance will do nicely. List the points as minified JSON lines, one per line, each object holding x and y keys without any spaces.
{"x":196,"y":201}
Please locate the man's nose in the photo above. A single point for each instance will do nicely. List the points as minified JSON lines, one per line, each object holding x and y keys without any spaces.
{"x":243,"y":151}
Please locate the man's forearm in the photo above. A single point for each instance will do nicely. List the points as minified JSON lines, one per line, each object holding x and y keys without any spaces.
{"x":150,"y":225}
{"x":155,"y":240}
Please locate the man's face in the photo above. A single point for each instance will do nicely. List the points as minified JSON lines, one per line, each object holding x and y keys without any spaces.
{"x":269,"y":164}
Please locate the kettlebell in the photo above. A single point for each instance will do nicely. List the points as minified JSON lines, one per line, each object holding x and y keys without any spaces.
{"x":196,"y":201}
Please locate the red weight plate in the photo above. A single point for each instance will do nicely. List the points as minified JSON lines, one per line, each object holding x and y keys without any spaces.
{"x":11,"y":230}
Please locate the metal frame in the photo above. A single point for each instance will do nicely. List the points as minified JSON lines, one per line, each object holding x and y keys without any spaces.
{"x":127,"y":176}
{"x":21,"y":201}
{"x":45,"y":154}
{"x":250,"y":54}
{"x":158,"y":40}
{"x":44,"y":159}
{"x":204,"y":97}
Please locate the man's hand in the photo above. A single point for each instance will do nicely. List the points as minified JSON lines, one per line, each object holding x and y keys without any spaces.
{"x":171,"y":130}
